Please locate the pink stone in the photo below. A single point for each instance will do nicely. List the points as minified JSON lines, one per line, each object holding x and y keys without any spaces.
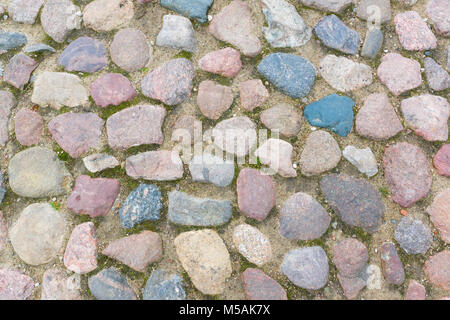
{"x":253,"y":94}
{"x":112,"y":89}
{"x":259,"y":286}
{"x":439,"y":13}
{"x":129,"y":50}
{"x":391,"y":264}
{"x":18,"y":71}
{"x":439,"y":212}
{"x":56,"y":285}
{"x":226,"y":62}
{"x":28,"y":127}
{"x":137,"y":251}
{"x":415,"y":291}
{"x":3,"y":232}
{"x":81,"y":250}
{"x":14,"y":285}
{"x":76,"y":133}
{"x":135,"y":126}
{"x":437,"y":269}
{"x":399,"y":74}
{"x":93,"y":196}
{"x":256,"y":193}
{"x":214,"y":99}
{"x":413,"y":32}
{"x":351,"y":286}
{"x":161,"y":165}
{"x":441,"y":160}
{"x":187,"y":130}
{"x":350,"y":257}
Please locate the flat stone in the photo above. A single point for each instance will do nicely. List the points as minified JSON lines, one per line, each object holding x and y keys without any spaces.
{"x":81,"y":251}
{"x":439,"y":11}
{"x":415,"y":291}
{"x":56,"y":285}
{"x":391,"y":264}
{"x":100,"y":161}
{"x":327,"y":5}
{"x":437,"y":78}
{"x":196,"y":9}
{"x":85,"y":55}
{"x":343,"y":74}
{"x":107,"y":15}
{"x":18,"y":71}
{"x":253,"y":94}
{"x":130,"y":50}
{"x":134,"y":126}
{"x":234,"y":24}
{"x":212,"y":169}
{"x":350,"y":257}
{"x":187,"y":130}
{"x":137,"y":251}
{"x":3,"y":232}
{"x":214,"y":99}
{"x":112,"y":89}
{"x":441,"y":160}
{"x":363,"y":159}
{"x":205,"y":258}
{"x":59,"y":18}
{"x":320,"y":153}
{"x":356,"y":201}
{"x":177,"y":33}
{"x":286,"y":28}
{"x":372,"y":43}
{"x":413,"y":33}
{"x":436,"y":269}
{"x":14,"y":285}
{"x":374,"y":11}
{"x":407,"y":173}
{"x":38,"y":234}
{"x":142,"y":204}
{"x":225,"y":62}
{"x":303,"y":218}
{"x":333,"y":112}
{"x":252,"y":244}
{"x":277,"y":154}
{"x":171,"y":83}
{"x":57,"y":89}
{"x":25,"y":11}
{"x":259,"y":286}
{"x":38,"y":48}
{"x":351,"y":286}
{"x":161,"y":165}
{"x":306,"y":267}
{"x":110,"y":284}
{"x":399,"y":74}
{"x":256,"y":193}
{"x":413,"y":236}
{"x":37,"y":172}
{"x":427,"y":115}
{"x":93,"y":196}
{"x":377,"y":118}
{"x":7,"y":102}
{"x":188,"y":210}
{"x":11,"y":40}
{"x":291,"y":74}
{"x":28,"y":126}
{"x":283,"y":118}
{"x":162,"y":286}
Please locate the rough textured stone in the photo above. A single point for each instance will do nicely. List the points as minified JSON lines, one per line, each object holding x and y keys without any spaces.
{"x":28,"y":126}
{"x":188,"y":210}
{"x":11,"y":40}
{"x":110,"y":284}
{"x":3,"y":232}
{"x":343,"y":74}
{"x":56,"y":285}
{"x":303,"y":218}
{"x":18,"y":71}
{"x":38,"y":48}
{"x":187,"y":130}
{"x":130,"y":50}
{"x":194,"y":9}
{"x":441,"y":160}
{"x":372,"y":43}
{"x":377,"y":118}
{"x":234,"y":24}
{"x":253,"y":94}
{"x":407,"y":173}
{"x":356,"y":201}
{"x":212,"y":169}
{"x":351,"y":286}
{"x":415,"y":291}
{"x":7,"y":102}
{"x":161,"y":165}
{"x":137,"y":251}
{"x":320,"y":153}
{"x":112,"y":89}
{"x":283,"y":118}
{"x":336,"y":35}
{"x":14,"y":285}
{"x":107,"y":15}
{"x":399,"y":74}
{"x":225,"y":62}
{"x":252,"y":244}
{"x":439,"y":212}
{"x":439,"y":11}
{"x":59,"y":18}
{"x":391,"y":264}
{"x":162,"y":286}
{"x":437,"y":78}
{"x":81,"y":251}
{"x":363,"y":159}
{"x":134,"y":126}
{"x":235,"y":135}
{"x":413,"y":33}
{"x":413,"y":236}
{"x":259,"y":286}
{"x":436,"y":269}
{"x":374,"y":11}
{"x":38,"y":234}
{"x":277,"y":154}
{"x":214,"y":99}
{"x":25,"y":11}
{"x":37,"y":172}
{"x":93,"y":196}
{"x":350,"y":257}
{"x":291,"y":74}
{"x":177,"y":33}
{"x":85,"y":55}
{"x":306,"y":267}
{"x":205,"y":258}
{"x":327,"y":5}
{"x":100,"y":161}
{"x":170,"y":83}
{"x":142,"y":204}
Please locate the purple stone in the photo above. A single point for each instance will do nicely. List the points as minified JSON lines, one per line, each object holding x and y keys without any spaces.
{"x":85,"y":55}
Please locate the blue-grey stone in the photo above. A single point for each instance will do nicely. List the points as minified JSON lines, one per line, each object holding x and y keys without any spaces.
{"x":142,"y":204}
{"x":2,"y":189}
{"x":333,"y":112}
{"x":209,"y":168}
{"x":161,"y":286}
{"x":291,"y":74}
{"x":372,"y":43}
{"x":85,"y":55}
{"x":336,"y":35}
{"x":191,"y":211}
{"x":110,"y":284}
{"x":11,"y":40}
{"x":413,"y":236}
{"x":195,"y":9}
{"x":38,"y":47}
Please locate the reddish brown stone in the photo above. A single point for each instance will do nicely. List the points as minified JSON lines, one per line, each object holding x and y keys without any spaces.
{"x":415,"y":291}
{"x":350,"y":257}
{"x":259,"y":286}
{"x":253,"y":94}
{"x":28,"y":127}
{"x":437,"y":269}
{"x":391,"y":264}
{"x":18,"y":71}
{"x":226,"y":62}
{"x":112,"y":89}
{"x":81,"y":250}
{"x":214,"y":99}
{"x":441,"y":160}
{"x":440,"y":214}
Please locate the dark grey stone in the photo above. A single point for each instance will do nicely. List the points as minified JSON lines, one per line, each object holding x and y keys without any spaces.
{"x":413,"y":236}
{"x":372,"y":43}
{"x":110,"y":284}
{"x":11,"y":40}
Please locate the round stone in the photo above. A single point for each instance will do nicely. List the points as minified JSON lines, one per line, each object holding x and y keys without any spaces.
{"x":177,"y":33}
{"x":259,"y":286}
{"x":283,"y":118}
{"x":81,"y":251}
{"x":252,"y":244}
{"x":107,"y":15}
{"x":350,"y":256}
{"x":439,"y":212}
{"x":441,"y":160}
{"x":277,"y":154}
{"x":413,"y":236}
{"x":439,"y":11}
{"x":225,"y":62}
{"x":214,"y":99}
{"x":236,"y":135}
{"x":130,"y":50}
{"x":112,"y":89}
{"x":59,"y":18}
{"x":28,"y":126}
{"x":436,"y":269}
{"x":253,"y":94}
{"x":85,"y":55}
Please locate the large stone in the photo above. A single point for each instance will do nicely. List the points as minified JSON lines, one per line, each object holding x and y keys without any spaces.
{"x":112,"y":89}
{"x":252,"y":244}
{"x":259,"y":286}
{"x":11,"y":40}
{"x":225,"y":62}
{"x":38,"y":234}
{"x":161,"y":165}
{"x":328,"y":5}
{"x":439,"y":11}
{"x":214,"y":99}
{"x":85,"y":55}
{"x":177,"y":33}
{"x":436,"y":269}
{"x":441,"y":160}
{"x":283,"y":118}
{"x":253,"y":94}
{"x":439,"y":212}
{"x":413,"y":236}
{"x":100,"y":161}
{"x":56,"y":285}
{"x":14,"y":285}
{"x":28,"y":126}
{"x":205,"y":258}
{"x":351,"y":286}
{"x":107,"y":15}
{"x":7,"y":102}
{"x":363,"y":159}
{"x":391,"y":264}
{"x":59,"y":18}
{"x":18,"y":71}
{"x":162,"y":286}
{"x":415,"y":291}
{"x":130,"y":50}
{"x":25,"y":11}
{"x":37,"y":172}
{"x":277,"y":154}
{"x":194,"y":9}
{"x":110,"y":284}
{"x":413,"y":33}
{"x":81,"y":250}
{"x":212,"y":169}
{"x":437,"y":78}
{"x":350,"y":257}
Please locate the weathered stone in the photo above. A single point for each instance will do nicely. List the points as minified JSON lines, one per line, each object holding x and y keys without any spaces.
{"x":56,"y":285}
{"x":25,"y":11}
{"x":3,"y":232}
{"x":59,"y":18}
{"x":194,"y":9}
{"x":214,"y":99}
{"x":112,"y":89}
{"x":277,"y":154}
{"x":213,"y":169}
{"x":130,"y":50}
{"x":436,"y":269}
{"x":81,"y":251}
{"x":327,"y":5}
{"x":374,"y":11}
{"x":110,"y":284}
{"x":225,"y":62}
{"x":391,"y":264}
{"x":363,"y":159}
{"x":372,"y":43}
{"x":235,"y":135}
{"x":441,"y":160}
{"x":413,"y":33}
{"x":100,"y":161}
{"x":350,"y":257}
{"x":252,"y":244}
{"x":11,"y":40}
{"x":439,"y":11}
{"x":14,"y":285}
{"x":439,"y":212}
{"x":107,"y":15}
{"x":415,"y":291}
{"x":259,"y":286}
{"x":283,"y":118}
{"x":437,"y":78}
{"x":187,"y":130}
{"x":38,"y":48}
{"x":18,"y":71}
{"x":253,"y":94}
{"x":28,"y":126}
{"x":413,"y":236}
{"x":161,"y":165}
{"x":162,"y":286}
{"x":351,"y":286}
{"x":7,"y":102}
{"x":85,"y":55}
{"x":177,"y":33}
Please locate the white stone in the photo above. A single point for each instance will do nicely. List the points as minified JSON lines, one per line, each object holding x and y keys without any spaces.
{"x":363,"y":159}
{"x":99,"y":162}
{"x":252,"y":244}
{"x":177,"y":33}
{"x":277,"y":154}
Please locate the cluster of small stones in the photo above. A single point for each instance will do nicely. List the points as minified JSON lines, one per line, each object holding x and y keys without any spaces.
{"x":358,"y":185}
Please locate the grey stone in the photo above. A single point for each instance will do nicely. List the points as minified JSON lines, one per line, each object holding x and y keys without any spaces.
{"x":328,"y":5}
{"x":25,"y":11}
{"x":38,"y":48}
{"x":437,"y":78}
{"x":284,"y":118}
{"x":59,"y":18}
{"x":277,"y":154}
{"x":110,"y":284}
{"x":177,"y":33}
{"x":7,"y":102}
{"x":162,"y":286}
{"x":209,"y":168}
{"x":11,"y":40}
{"x":413,"y":236}
{"x":374,"y":11}
{"x":363,"y":159}
{"x":252,"y":244}
{"x":372,"y":43}
{"x":100,"y":161}
{"x":56,"y":285}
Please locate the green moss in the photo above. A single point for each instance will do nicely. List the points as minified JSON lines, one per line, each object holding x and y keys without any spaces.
{"x":55,"y":205}
{"x":384,"y":191}
{"x":183,"y":54}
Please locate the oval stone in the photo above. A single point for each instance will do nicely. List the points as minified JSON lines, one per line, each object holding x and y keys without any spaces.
{"x":85,"y":55}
